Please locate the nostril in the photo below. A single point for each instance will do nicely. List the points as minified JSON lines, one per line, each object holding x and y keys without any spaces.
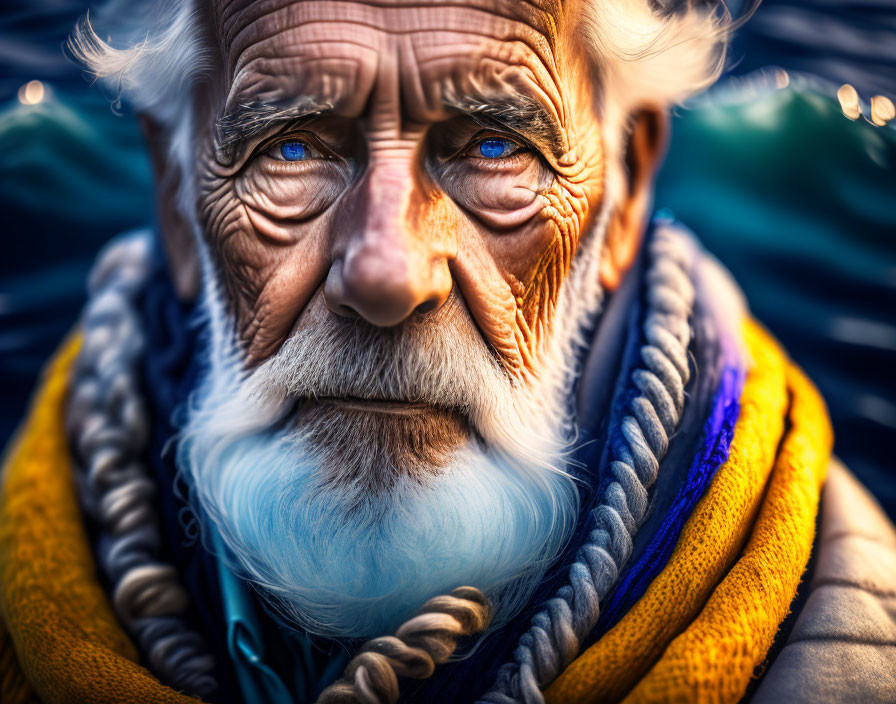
{"x":345,"y":311}
{"x":426,"y":307}
{"x":382,"y":288}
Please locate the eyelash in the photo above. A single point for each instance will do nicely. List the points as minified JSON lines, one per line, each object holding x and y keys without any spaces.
{"x":272,"y":151}
{"x":320,"y":153}
{"x":520,"y":148}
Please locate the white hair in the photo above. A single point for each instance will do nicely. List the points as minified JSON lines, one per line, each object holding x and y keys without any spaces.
{"x":647,"y":57}
{"x":151,"y":56}
{"x":151,"y":59}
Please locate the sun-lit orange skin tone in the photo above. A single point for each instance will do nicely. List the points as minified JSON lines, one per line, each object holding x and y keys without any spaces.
{"x":403,"y":213}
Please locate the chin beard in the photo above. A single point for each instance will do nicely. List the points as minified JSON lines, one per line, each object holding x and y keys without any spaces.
{"x":369,"y":451}
{"x":361,"y":471}
{"x":348,"y":515}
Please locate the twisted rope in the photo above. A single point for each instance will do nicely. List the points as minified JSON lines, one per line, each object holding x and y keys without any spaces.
{"x":652,"y":415}
{"x":108,"y":428}
{"x":423,"y":642}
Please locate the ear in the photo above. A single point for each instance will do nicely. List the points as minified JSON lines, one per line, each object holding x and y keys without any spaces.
{"x":177,"y":237}
{"x":644,"y":151}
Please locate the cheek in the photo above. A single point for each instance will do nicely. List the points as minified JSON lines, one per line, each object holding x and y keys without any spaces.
{"x":547,"y":265}
{"x":268,"y":238}
{"x":565,"y":216}
{"x":511,"y":280}
{"x":279,"y":196}
{"x":502,"y":200}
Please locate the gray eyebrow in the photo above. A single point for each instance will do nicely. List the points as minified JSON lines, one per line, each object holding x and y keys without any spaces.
{"x":519,"y":113}
{"x":248,"y":120}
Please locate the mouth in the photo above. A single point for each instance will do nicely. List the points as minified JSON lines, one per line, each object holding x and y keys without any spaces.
{"x":409,"y":438}
{"x":369,"y":405}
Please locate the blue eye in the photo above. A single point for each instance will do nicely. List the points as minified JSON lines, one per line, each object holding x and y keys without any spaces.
{"x":293,"y":151}
{"x":495,"y":148}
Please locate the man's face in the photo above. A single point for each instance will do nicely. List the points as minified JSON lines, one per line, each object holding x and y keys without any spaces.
{"x":375,"y":161}
{"x":394,"y":197}
{"x":453,"y":145}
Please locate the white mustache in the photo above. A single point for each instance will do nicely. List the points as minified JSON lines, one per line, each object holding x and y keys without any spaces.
{"x":440,"y":360}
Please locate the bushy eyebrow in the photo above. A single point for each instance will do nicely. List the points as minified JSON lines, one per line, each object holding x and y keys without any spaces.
{"x":247,"y":120}
{"x":518,"y":113}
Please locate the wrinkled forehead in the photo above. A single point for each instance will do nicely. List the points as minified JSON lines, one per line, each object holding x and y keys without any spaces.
{"x":343,"y":54}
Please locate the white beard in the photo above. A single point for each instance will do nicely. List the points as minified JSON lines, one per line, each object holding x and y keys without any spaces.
{"x":340,"y":560}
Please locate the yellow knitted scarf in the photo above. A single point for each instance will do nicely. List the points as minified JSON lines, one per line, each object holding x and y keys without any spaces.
{"x":698,"y":633}
{"x":709,"y":618}
{"x":67,"y":642}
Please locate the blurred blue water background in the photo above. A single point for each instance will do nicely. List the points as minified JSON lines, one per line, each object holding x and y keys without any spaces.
{"x":796,"y":200}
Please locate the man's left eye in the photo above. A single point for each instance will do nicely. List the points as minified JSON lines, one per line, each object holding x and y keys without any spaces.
{"x":495,"y":148}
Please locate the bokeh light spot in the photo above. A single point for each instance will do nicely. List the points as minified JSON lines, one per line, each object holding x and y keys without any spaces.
{"x":849,"y":101}
{"x":31,"y":93}
{"x":882,"y":110}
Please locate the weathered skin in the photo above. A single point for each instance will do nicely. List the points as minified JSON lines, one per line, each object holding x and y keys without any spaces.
{"x":399,"y":209}
{"x":397,"y":220}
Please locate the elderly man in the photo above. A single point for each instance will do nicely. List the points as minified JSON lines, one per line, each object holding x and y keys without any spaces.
{"x":405,"y":397}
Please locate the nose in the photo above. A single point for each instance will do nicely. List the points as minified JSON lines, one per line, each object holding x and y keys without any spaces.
{"x":390,"y":258}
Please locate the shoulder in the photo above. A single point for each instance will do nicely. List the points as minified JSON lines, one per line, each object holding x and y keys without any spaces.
{"x":843,"y":645}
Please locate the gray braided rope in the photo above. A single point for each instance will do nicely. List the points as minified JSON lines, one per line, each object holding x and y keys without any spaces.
{"x":107,"y":427}
{"x":557,"y":632}
{"x":426,"y":640}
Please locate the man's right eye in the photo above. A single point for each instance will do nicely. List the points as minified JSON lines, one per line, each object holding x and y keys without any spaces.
{"x":293,"y":150}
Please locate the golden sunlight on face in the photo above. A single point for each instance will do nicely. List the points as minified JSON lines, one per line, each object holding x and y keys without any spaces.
{"x":376,"y":161}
